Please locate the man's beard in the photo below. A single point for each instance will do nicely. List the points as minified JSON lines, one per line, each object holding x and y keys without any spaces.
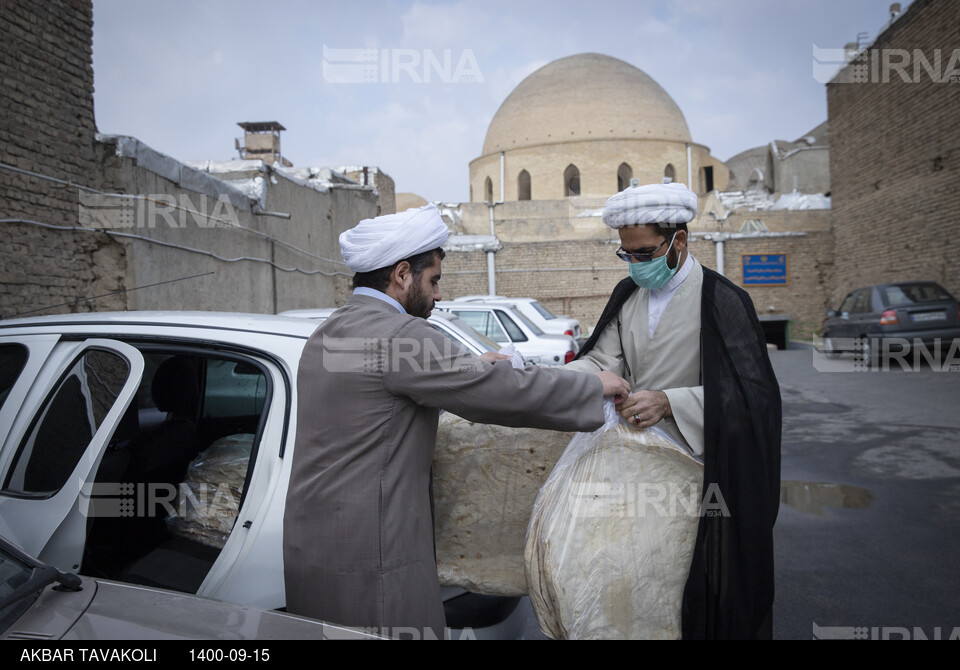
{"x":418,"y":302}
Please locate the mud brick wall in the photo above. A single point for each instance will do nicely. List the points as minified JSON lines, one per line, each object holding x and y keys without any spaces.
{"x":47,"y":127}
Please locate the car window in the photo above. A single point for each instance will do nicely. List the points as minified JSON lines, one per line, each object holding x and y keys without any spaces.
{"x":183,"y":453}
{"x":233,"y":389}
{"x":513,"y":330}
{"x":484,"y":322}
{"x":908,"y":294}
{"x":68,"y":421}
{"x":847,"y":305}
{"x":13,"y":357}
{"x":544,"y":312}
{"x":862,"y":303}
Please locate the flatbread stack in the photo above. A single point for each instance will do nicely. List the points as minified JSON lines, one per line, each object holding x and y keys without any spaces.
{"x":209,"y":500}
{"x":485,"y":481}
{"x":611,"y":536}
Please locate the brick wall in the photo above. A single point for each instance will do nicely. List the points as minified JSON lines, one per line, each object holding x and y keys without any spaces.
{"x":47,"y":127}
{"x":576,"y":277}
{"x":895,"y":160}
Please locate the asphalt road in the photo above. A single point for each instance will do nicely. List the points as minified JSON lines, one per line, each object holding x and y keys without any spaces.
{"x":867,"y":541}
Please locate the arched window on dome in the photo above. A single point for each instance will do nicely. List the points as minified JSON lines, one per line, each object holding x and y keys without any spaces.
{"x":669,"y":172}
{"x":488,"y":190}
{"x":706,"y":179}
{"x":523,"y":185}
{"x":624,"y":175}
{"x":571,"y":181}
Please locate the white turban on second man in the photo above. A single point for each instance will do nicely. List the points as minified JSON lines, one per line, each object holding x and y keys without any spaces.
{"x":385,"y":240}
{"x":654,"y":203}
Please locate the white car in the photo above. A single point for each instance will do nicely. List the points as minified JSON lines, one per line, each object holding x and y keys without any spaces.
{"x":154,"y":448}
{"x":447,"y":324}
{"x":505,"y":325}
{"x":535,"y":311}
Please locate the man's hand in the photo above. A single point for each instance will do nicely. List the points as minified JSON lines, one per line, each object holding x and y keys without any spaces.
{"x":614,"y":386}
{"x":491,"y":356}
{"x":645,"y":408}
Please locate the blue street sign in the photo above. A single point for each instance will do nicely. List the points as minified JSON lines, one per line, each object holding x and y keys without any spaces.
{"x":765,"y":270}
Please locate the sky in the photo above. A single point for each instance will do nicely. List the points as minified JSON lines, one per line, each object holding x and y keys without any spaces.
{"x":180,"y":74}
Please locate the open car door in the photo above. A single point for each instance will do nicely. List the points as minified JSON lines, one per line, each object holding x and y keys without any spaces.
{"x":52,"y":449}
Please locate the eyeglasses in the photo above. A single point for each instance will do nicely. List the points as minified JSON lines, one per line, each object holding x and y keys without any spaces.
{"x":640,"y":257}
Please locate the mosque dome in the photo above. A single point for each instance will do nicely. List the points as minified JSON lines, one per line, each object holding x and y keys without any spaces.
{"x":585,"y":97}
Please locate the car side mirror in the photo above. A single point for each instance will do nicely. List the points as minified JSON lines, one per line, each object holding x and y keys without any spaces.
{"x":831,"y":312}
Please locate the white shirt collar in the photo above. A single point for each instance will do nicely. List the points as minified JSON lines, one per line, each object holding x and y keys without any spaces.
{"x":379,"y":295}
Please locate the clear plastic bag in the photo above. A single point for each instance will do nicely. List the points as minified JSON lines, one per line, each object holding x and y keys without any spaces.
{"x":612,"y":533}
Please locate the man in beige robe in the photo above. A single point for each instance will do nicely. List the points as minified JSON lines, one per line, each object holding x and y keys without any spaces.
{"x":358,"y":525}
{"x":690,"y":344}
{"x":655,"y":345}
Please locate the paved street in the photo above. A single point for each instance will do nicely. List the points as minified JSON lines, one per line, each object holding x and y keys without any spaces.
{"x":867,"y":535}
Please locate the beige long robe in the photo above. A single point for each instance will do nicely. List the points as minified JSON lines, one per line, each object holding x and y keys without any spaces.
{"x":669,"y":362}
{"x":358,"y":526}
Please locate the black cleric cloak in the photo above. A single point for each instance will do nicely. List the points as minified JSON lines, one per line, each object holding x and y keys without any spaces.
{"x":729,"y":592}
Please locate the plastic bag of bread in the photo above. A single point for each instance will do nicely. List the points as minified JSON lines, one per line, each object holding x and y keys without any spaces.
{"x":612,"y":534}
{"x":209,"y":500}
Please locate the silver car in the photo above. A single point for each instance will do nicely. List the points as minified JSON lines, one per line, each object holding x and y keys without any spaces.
{"x":39,"y":602}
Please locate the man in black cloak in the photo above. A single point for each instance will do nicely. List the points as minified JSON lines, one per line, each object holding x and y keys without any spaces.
{"x":730,"y":587}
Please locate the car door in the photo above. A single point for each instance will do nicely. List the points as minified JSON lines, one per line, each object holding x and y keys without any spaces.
{"x":862,"y":318}
{"x":52,"y":447}
{"x":840,"y":324}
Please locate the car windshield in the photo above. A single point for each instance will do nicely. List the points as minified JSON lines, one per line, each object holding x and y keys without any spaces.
{"x":534,"y":328}
{"x":907,"y":294}
{"x":544,"y":312}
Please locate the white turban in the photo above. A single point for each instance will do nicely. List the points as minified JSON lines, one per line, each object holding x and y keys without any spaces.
{"x":654,"y":203}
{"x":385,"y":240}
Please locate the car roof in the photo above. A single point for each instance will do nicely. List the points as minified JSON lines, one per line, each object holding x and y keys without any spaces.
{"x":254,"y":323}
{"x":474,"y":305}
